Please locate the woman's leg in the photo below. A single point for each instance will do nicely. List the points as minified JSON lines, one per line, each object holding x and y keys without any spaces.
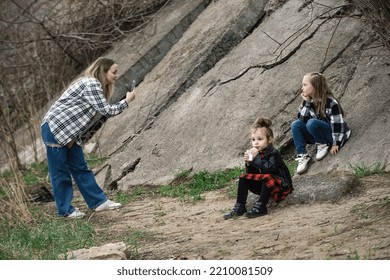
{"x":60,"y":177}
{"x":84,"y":178}
{"x":301,"y":136}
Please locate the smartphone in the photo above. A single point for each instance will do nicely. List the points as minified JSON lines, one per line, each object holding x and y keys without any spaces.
{"x":132,"y":86}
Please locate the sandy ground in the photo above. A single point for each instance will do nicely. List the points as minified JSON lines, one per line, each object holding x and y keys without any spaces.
{"x":356,"y":227}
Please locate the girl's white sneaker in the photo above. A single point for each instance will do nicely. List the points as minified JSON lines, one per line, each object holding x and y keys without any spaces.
{"x":303,"y":163}
{"x":322,"y":151}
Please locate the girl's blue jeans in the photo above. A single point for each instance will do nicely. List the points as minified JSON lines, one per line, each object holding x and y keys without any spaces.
{"x":64,"y":164}
{"x":315,"y":131}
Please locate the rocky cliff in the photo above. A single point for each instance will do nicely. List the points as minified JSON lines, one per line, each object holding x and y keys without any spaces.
{"x":236,"y":61}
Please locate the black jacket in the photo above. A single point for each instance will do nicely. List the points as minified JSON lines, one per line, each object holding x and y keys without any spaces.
{"x":270,"y":162}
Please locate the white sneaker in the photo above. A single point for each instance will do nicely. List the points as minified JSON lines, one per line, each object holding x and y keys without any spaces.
{"x":108,"y":205}
{"x":348,"y":134}
{"x":303,"y":163}
{"x":322,"y":151}
{"x":76,"y":214}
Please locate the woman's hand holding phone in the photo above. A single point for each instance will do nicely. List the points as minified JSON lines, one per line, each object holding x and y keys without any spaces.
{"x":130,"y":95}
{"x":132,"y":86}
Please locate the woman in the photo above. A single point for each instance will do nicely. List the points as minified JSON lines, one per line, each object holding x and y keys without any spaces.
{"x":62,"y":127}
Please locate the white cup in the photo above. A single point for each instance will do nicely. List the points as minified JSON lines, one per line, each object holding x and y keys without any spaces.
{"x":250,"y":156}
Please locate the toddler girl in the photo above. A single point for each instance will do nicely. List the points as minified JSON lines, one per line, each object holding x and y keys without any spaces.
{"x":266,"y":173}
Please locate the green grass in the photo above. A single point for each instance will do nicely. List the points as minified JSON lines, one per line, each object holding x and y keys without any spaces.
{"x":46,"y":240}
{"x":35,"y":174}
{"x":3,"y":194}
{"x":137,"y":192}
{"x":193,"y":187}
{"x":353,"y":255}
{"x":4,"y":178}
{"x":232,"y":190}
{"x":292,"y":166}
{"x":134,"y":239}
{"x":6,"y":175}
{"x":94,"y":161}
{"x":361,"y":210}
{"x":363,"y":171}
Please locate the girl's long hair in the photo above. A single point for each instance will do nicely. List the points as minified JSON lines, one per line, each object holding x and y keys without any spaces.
{"x":321,"y":93}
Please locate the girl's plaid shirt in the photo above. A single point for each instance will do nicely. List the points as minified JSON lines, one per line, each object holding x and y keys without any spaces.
{"x":333,"y":116}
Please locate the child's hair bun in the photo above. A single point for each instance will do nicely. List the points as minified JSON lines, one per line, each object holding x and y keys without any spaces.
{"x":262,"y":122}
{"x":266,"y":124}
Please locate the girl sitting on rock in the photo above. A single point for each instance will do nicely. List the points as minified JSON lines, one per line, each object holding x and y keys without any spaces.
{"x":266,"y":173}
{"x":320,"y":121}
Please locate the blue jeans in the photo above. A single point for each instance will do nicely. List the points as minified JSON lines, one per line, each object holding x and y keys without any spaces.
{"x":64,"y":164}
{"x":315,"y":131}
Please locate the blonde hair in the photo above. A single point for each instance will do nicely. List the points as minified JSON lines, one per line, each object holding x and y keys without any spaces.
{"x":266,"y":124}
{"x":321,"y":92}
{"x":98,"y":70}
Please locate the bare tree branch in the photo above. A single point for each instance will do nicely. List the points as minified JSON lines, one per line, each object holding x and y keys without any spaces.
{"x":45,"y":44}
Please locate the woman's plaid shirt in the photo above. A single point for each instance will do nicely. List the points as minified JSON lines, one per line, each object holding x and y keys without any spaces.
{"x":70,"y":115}
{"x":333,"y":116}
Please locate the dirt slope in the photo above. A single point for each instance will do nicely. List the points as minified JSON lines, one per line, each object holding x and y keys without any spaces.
{"x":357,"y":227}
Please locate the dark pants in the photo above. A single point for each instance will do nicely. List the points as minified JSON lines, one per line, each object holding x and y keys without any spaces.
{"x":257,"y":187}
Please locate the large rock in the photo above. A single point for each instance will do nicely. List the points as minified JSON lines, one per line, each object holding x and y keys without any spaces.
{"x":197,"y":51}
{"x":322,"y":187}
{"x":110,"y":251}
{"x":209,"y":68}
{"x":318,"y":187}
{"x":192,"y":114}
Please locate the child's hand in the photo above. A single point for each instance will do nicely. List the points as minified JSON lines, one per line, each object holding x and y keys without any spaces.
{"x":253,"y":152}
{"x":334,"y":150}
{"x":305,"y":97}
{"x":246,"y":157}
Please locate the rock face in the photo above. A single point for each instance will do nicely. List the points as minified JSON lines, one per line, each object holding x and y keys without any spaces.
{"x":322,"y":187}
{"x":207,"y":69}
{"x":239,"y":60}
